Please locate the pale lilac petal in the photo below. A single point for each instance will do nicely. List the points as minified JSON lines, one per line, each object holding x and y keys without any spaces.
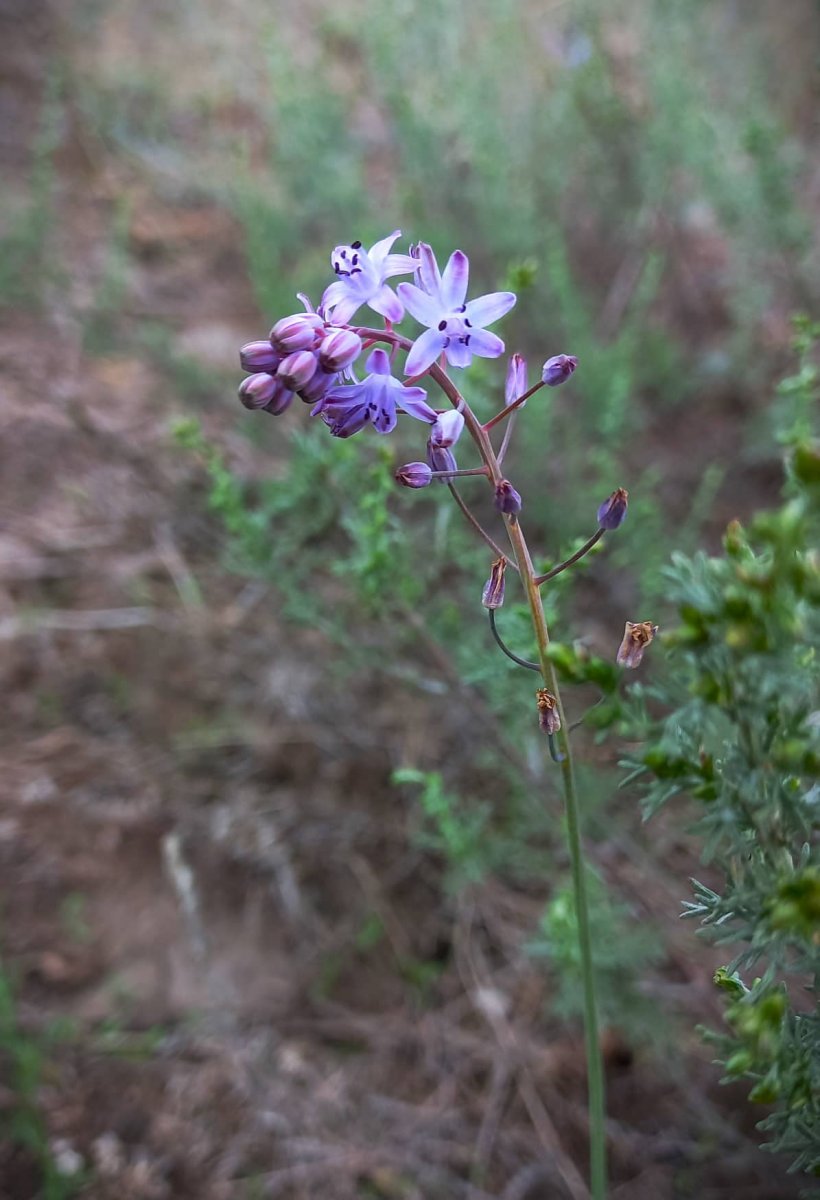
{"x":487,"y":309}
{"x":485,"y":344}
{"x":387,"y":304}
{"x":398,"y":264}
{"x":425,"y":351}
{"x":345,"y":393}
{"x":412,"y":401}
{"x":454,"y":281}
{"x":459,"y":354}
{"x":426,"y":309}
{"x":344,"y":310}
{"x":383,"y":407}
{"x":447,"y":429}
{"x":333,"y":294}
{"x":378,"y":253}
{"x":429,"y":275}
{"x":378,"y":363}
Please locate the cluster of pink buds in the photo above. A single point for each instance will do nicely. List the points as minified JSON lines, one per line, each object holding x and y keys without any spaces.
{"x":303,"y":356}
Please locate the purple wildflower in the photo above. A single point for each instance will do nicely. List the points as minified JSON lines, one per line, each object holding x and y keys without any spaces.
{"x":612,"y":512}
{"x":414,"y":475}
{"x":548,"y":715}
{"x":349,"y":407}
{"x":557,"y":370}
{"x":362,"y":275}
{"x":454,"y":327}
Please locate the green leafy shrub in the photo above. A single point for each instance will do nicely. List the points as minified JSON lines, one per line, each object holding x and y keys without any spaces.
{"x":741,"y":736}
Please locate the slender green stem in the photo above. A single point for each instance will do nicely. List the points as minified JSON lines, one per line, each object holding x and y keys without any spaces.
{"x":595,"y":1070}
{"x":573,"y":558}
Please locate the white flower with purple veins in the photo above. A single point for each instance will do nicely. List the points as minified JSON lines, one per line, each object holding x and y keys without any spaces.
{"x":454,"y":328}
{"x":349,"y":407}
{"x":362,"y":275}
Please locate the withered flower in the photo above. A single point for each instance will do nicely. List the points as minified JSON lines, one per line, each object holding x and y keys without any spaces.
{"x":637,"y":636}
{"x":493,"y":594}
{"x":548,"y":717}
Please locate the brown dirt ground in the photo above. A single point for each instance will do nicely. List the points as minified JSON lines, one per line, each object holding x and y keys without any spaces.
{"x":189,"y":848}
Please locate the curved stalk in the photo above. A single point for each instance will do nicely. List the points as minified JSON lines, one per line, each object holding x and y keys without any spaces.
{"x":595,"y":1072}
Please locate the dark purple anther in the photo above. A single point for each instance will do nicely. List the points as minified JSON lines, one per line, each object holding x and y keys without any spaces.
{"x":507,"y":499}
{"x":612,"y":512}
{"x":414,"y":475}
{"x":557,"y":370}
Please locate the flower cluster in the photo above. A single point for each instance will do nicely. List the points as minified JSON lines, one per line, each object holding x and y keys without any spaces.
{"x":303,"y":356}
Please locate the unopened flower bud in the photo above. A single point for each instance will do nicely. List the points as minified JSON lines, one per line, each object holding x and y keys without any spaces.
{"x":558,"y":369}
{"x":440,"y":459}
{"x":548,"y":717}
{"x":281,"y":399}
{"x":493,"y":594}
{"x":316,"y":386}
{"x":612,"y":512}
{"x":259,"y":356}
{"x":507,"y":499}
{"x":297,"y":370}
{"x":414,"y":475}
{"x":297,"y":332}
{"x":257,"y":390}
{"x":516,"y":382}
{"x":338,"y":350}
{"x":637,"y":636}
{"x":447,"y":429}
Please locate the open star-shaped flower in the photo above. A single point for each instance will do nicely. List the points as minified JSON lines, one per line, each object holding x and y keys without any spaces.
{"x":454,"y":327}
{"x":349,"y":407}
{"x":362,"y":275}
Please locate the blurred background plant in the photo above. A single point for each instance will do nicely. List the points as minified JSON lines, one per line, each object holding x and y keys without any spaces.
{"x":743,"y":739}
{"x":644,"y":174}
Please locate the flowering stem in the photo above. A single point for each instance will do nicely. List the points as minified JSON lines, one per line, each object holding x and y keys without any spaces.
{"x":522,"y":662}
{"x":595,"y":1072}
{"x":480,"y":530}
{"x":510,"y":408}
{"x":506,"y":439}
{"x":454,"y":474}
{"x":573,"y":558}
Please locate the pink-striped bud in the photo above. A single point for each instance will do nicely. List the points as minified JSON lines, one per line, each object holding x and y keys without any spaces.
{"x":259,"y":356}
{"x":339,"y":349}
{"x":298,"y":332}
{"x":316,"y":386}
{"x":258,"y":390}
{"x":297,"y":369}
